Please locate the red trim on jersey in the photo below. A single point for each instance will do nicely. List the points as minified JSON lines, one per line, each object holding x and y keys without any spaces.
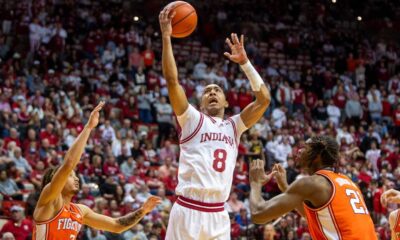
{"x":234,"y":129}
{"x":200,"y":206}
{"x":195,"y":131}
{"x":211,"y":118}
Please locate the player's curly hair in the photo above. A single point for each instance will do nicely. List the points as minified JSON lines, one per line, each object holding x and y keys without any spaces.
{"x":48,"y":176}
{"x":325,"y":147}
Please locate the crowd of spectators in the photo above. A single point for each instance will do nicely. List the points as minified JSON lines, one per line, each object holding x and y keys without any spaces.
{"x":326,"y":73}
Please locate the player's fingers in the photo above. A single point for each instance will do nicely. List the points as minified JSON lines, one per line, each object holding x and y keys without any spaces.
{"x":275,"y":167}
{"x":259,"y":164}
{"x":162,"y":14}
{"x":242,"y":40}
{"x":235,"y":39}
{"x":251,"y":162}
{"x":281,"y":169}
{"x":167,"y":11}
{"x":101,"y":105}
{"x":228,"y":55}
{"x":256,"y":163}
{"x":172,"y":15}
{"x":228,"y":41}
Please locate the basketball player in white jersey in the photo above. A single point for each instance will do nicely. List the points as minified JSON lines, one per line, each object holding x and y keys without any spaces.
{"x":209,"y":144}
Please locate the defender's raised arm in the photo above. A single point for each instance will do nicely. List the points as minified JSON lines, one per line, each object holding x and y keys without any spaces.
{"x":254,"y":111}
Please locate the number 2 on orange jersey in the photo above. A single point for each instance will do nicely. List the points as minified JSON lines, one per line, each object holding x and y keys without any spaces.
{"x":355,"y":201}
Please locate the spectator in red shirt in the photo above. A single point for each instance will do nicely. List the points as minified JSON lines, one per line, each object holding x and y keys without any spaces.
{"x":386,"y":109}
{"x":233,"y":99}
{"x":299,"y":99}
{"x":244,"y":98}
{"x":85,"y":197}
{"x":311,"y":100}
{"x":30,"y":141}
{"x":111,"y":167}
{"x":135,"y":59}
{"x":303,"y":227}
{"x":12,"y":138}
{"x":340,"y":98}
{"x":153,"y":80}
{"x":351,"y":63}
{"x":75,"y":123}
{"x":50,"y":135}
{"x":171,"y":182}
{"x":86,"y":168}
{"x":18,"y":225}
{"x":379,"y":209}
{"x":235,"y":227}
{"x":37,"y":174}
{"x":148,"y":57}
{"x":394,"y":157}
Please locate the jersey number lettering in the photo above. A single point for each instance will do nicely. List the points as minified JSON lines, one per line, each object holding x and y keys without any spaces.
{"x":219,"y":160}
{"x":72,"y":237}
{"x":355,"y":200}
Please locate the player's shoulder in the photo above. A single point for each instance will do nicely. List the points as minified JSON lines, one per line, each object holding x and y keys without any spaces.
{"x":394,"y":218}
{"x":308,"y":185}
{"x":83,"y":208}
{"x":394,"y":215}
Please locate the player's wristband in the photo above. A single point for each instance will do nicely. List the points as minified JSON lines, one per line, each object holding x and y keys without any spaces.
{"x":253,"y":76}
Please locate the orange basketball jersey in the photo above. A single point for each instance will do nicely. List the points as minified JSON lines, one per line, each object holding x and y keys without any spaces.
{"x":345,"y":216}
{"x":64,"y":226}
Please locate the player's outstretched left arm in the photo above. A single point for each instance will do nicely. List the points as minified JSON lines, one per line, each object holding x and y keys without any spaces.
{"x":121,"y":224}
{"x":265,"y":211}
{"x":255,"y":110}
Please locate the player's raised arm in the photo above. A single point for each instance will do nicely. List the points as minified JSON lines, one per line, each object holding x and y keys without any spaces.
{"x":121,"y":224}
{"x":53,"y":190}
{"x":264,"y":211}
{"x":255,"y":110}
{"x":176,"y":93}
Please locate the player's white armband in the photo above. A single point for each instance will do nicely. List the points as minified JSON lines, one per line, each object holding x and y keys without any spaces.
{"x":253,"y":76}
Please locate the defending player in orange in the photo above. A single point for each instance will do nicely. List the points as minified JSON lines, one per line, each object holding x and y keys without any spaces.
{"x":209,"y":145}
{"x":56,"y":217}
{"x":393,"y":196}
{"x":332,"y":203}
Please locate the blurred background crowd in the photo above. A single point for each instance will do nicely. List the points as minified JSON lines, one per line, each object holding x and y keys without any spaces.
{"x":332,"y":68}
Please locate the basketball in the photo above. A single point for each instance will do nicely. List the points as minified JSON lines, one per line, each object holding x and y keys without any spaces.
{"x":185,"y":19}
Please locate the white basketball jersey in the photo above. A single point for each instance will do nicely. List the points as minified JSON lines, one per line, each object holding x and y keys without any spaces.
{"x":209,"y":149}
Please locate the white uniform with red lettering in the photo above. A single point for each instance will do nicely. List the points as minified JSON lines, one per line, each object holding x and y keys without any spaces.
{"x":209,"y":148}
